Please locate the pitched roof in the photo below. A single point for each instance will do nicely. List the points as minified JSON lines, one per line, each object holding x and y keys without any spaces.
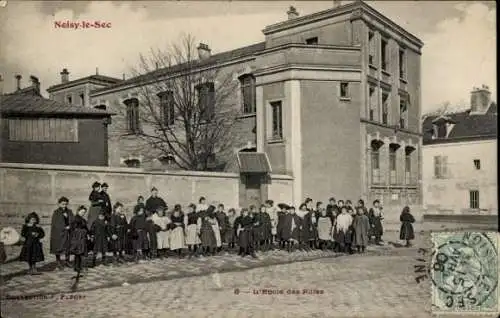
{"x":23,"y":103}
{"x":467,"y":126}
{"x":212,"y":60}
{"x":98,"y":78}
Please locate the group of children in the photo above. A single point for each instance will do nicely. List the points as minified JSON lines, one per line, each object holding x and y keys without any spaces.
{"x":155,"y":231}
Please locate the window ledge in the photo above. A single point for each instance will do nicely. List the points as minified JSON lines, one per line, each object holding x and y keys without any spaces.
{"x":403,"y":80}
{"x":242,"y":116}
{"x":345,"y":99}
{"x":372,"y":66}
{"x":275,"y":141}
{"x":385,"y":72}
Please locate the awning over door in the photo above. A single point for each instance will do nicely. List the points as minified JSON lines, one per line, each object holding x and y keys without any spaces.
{"x":253,"y":162}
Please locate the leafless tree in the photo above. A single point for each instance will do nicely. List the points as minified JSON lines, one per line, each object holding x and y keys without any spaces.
{"x":185,"y":107}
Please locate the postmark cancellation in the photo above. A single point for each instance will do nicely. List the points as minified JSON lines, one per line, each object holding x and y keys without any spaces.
{"x":464,"y":272}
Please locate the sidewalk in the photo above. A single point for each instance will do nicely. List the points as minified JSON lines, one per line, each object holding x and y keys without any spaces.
{"x":15,"y":282}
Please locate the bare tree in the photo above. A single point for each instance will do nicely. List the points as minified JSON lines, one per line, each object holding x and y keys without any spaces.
{"x":443,"y":109}
{"x":185,"y":107}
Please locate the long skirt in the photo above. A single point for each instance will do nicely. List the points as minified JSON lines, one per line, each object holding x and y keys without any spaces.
{"x":230,"y":236}
{"x":177,"y":238}
{"x":344,"y":237}
{"x":141,"y":241}
{"x":218,"y":239}
{"x":192,"y":237}
{"x":208,"y":238}
{"x":163,"y":238}
{"x":245,"y":238}
{"x":406,"y":232}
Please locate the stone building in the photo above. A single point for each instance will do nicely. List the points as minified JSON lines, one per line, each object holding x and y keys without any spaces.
{"x":331,"y":99}
{"x":460,"y":159}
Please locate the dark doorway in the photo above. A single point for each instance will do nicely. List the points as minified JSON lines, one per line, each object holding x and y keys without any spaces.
{"x":253,"y":192}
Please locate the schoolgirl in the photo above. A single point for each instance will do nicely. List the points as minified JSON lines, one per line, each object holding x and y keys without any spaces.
{"x":118,"y":228}
{"x":176,"y":226}
{"x":32,"y":251}
{"x":192,"y":222}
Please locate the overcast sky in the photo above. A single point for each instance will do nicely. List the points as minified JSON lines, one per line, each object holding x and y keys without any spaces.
{"x":459,"y":37}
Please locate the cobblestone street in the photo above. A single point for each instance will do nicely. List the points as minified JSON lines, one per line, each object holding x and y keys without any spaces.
{"x":380,"y":283}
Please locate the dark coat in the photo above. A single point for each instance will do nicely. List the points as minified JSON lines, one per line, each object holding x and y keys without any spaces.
{"x":106,"y":205}
{"x":245,"y":238}
{"x":223,"y":223}
{"x":59,"y":235}
{"x":32,"y":250}
{"x":207,"y":234}
{"x":96,"y":205}
{"x":100,"y":235}
{"x":118,"y":226}
{"x":265,"y":224}
{"x":139,"y":233}
{"x":361,"y":226}
{"x":406,"y":233}
{"x":138,"y":206}
{"x":309,"y":228}
{"x":258,"y":227}
{"x":376,"y":224}
{"x":79,"y":236}
{"x":152,"y":229}
{"x":155,"y":203}
{"x":280,"y":225}
{"x":230,"y":236}
{"x":288,"y":233}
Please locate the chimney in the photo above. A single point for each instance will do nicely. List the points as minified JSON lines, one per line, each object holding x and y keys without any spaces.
{"x":64,"y":75}
{"x":203,"y":51}
{"x":35,"y":83}
{"x":292,"y":13}
{"x":337,"y":3}
{"x":18,"y":81}
{"x":123,"y":76}
{"x":480,"y":100}
{"x":1,"y":85}
{"x":96,"y":71}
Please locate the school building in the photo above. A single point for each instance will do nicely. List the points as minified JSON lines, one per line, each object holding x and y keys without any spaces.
{"x":331,"y":99}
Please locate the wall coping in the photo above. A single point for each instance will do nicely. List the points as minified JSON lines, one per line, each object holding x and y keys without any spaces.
{"x":126,"y":170}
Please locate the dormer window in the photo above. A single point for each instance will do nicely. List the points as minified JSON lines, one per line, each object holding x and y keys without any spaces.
{"x":441,"y":127}
{"x":312,"y":41}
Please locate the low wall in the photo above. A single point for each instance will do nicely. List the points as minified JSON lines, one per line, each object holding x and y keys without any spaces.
{"x":32,"y":187}
{"x":447,"y":222}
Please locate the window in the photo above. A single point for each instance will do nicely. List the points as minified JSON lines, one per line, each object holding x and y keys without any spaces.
{"x":277,"y":120}
{"x":385,"y":53}
{"x":69,"y":99}
{"x":440,"y":167}
{"x":408,"y":155}
{"x":385,"y":108}
{"x":372,"y":103}
{"x":344,"y":90}
{"x":440,"y":130}
{"x":393,"y":163}
{"x":402,"y":64}
{"x":247,"y":84}
{"x":167,"y":159}
{"x":477,"y":164}
{"x":43,"y":130}
{"x":371,"y":48}
{"x":102,"y":107}
{"x":312,"y":41}
{"x":206,"y":100}
{"x":375,"y":161}
{"x":82,"y":99}
{"x":132,"y":163}
{"x":403,"y":111}
{"x":474,"y":199}
{"x":133,"y":122}
{"x":167,"y":108}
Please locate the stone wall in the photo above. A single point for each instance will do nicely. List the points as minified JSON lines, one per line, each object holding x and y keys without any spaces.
{"x":30,"y":187}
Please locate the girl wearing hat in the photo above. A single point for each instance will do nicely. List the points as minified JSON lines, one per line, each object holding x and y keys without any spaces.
{"x":138,"y":233}
{"x":406,"y":233}
{"x":100,"y":234}
{"x":192,"y":222}
{"x":60,"y":232}
{"x":118,"y":228}
{"x":96,"y":203}
{"x":32,"y":251}
{"x":79,"y":238}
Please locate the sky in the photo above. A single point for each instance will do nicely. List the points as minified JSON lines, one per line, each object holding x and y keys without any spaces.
{"x":459,"y":37}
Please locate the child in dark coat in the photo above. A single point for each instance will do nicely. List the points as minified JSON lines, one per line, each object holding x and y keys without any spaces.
{"x":407,"y":233}
{"x":139,"y":233}
{"x":32,"y":251}
{"x":100,"y":236}
{"x":79,"y":238}
{"x":118,"y":227}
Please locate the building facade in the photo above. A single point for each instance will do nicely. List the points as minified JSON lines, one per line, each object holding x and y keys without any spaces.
{"x":331,"y":99}
{"x":460,"y":159}
{"x":39,"y":130}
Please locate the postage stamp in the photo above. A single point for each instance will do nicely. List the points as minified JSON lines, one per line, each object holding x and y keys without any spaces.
{"x":464,"y":272}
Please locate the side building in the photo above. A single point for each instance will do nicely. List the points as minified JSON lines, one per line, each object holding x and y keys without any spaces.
{"x":460,"y":159}
{"x":38,"y":130}
{"x":331,"y":99}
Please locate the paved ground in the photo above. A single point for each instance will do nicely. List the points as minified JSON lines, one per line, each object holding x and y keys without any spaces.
{"x":376,"y":284}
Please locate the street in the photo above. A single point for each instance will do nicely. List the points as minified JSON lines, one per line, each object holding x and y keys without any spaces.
{"x":377,"y":284}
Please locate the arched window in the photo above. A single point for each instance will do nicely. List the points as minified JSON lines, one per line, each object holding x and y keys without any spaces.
{"x":393,"y":166}
{"x":408,"y":154}
{"x":375,"y":160}
{"x":247,"y":84}
{"x":167,"y":159}
{"x":133,"y":163}
{"x":133,"y":123}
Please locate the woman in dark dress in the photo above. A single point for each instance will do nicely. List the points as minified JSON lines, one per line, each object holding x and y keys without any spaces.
{"x":245,"y":233}
{"x":118,"y":226}
{"x":279,"y":227}
{"x":291,"y":228}
{"x":207,"y":234}
{"x":375,"y":215}
{"x":96,"y":203}
{"x":406,"y":233}
{"x":231,"y":232}
{"x":32,"y":251}
{"x":79,"y":238}
{"x":256,"y":229}
{"x":139,"y":234}
{"x":100,"y":236}
{"x":192,"y":223}
{"x":59,"y":232}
